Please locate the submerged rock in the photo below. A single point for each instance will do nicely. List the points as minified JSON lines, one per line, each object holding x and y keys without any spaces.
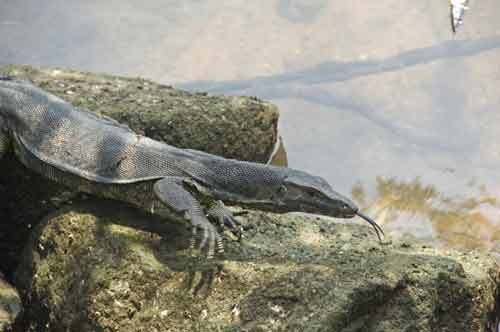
{"x":235,"y":127}
{"x":101,"y":266}
{"x":10,"y":305}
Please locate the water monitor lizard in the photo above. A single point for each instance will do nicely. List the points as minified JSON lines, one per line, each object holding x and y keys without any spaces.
{"x":98,"y":155}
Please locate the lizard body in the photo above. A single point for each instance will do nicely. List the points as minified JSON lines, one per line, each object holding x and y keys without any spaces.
{"x":98,"y":155}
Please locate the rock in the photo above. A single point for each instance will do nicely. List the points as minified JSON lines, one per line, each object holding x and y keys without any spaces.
{"x":10,"y":305}
{"x":101,"y":266}
{"x":235,"y":127}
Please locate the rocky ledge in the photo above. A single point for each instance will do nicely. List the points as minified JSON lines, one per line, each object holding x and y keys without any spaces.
{"x":102,"y":266}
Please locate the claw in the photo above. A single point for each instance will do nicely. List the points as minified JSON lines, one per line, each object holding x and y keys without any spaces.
{"x":210,"y":241}
{"x":192,"y":241}
{"x":211,"y":250}
{"x":220,"y":245}
{"x":231,"y":222}
{"x":205,"y":237}
{"x":224,"y":217}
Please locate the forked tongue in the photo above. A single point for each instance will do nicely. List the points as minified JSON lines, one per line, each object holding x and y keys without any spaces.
{"x":375,"y":226}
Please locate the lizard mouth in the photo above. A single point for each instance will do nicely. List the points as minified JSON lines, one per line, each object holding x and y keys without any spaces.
{"x":326,"y":210}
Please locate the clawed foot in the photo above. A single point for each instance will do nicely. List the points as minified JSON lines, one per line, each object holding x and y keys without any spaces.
{"x":205,"y":235}
{"x":221,"y":215}
{"x":209,"y":239}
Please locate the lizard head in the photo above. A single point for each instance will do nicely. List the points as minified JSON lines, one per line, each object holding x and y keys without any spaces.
{"x":303,"y":192}
{"x":282,"y":189}
{"x":308,"y":193}
{"x":276,"y":189}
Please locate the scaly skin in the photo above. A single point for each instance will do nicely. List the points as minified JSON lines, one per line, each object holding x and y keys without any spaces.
{"x":97,"y":155}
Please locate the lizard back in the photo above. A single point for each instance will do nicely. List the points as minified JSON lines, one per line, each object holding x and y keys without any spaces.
{"x":78,"y":141}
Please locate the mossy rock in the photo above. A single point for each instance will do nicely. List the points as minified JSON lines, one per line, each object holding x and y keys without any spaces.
{"x":102,"y":266}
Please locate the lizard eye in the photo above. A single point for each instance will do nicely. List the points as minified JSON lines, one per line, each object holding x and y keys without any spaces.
{"x":282,"y":190}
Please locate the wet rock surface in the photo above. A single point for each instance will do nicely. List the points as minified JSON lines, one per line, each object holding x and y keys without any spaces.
{"x":102,"y":266}
{"x":235,"y":127}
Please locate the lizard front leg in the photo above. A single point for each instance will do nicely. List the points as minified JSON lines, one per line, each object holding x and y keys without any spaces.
{"x":172,"y":191}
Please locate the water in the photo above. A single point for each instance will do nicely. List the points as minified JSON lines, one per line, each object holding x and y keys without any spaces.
{"x":380,"y":98}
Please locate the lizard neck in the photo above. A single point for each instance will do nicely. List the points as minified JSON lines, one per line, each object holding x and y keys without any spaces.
{"x":235,"y":181}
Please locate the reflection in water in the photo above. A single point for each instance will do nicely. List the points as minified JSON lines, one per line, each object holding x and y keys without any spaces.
{"x":459,"y":223}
